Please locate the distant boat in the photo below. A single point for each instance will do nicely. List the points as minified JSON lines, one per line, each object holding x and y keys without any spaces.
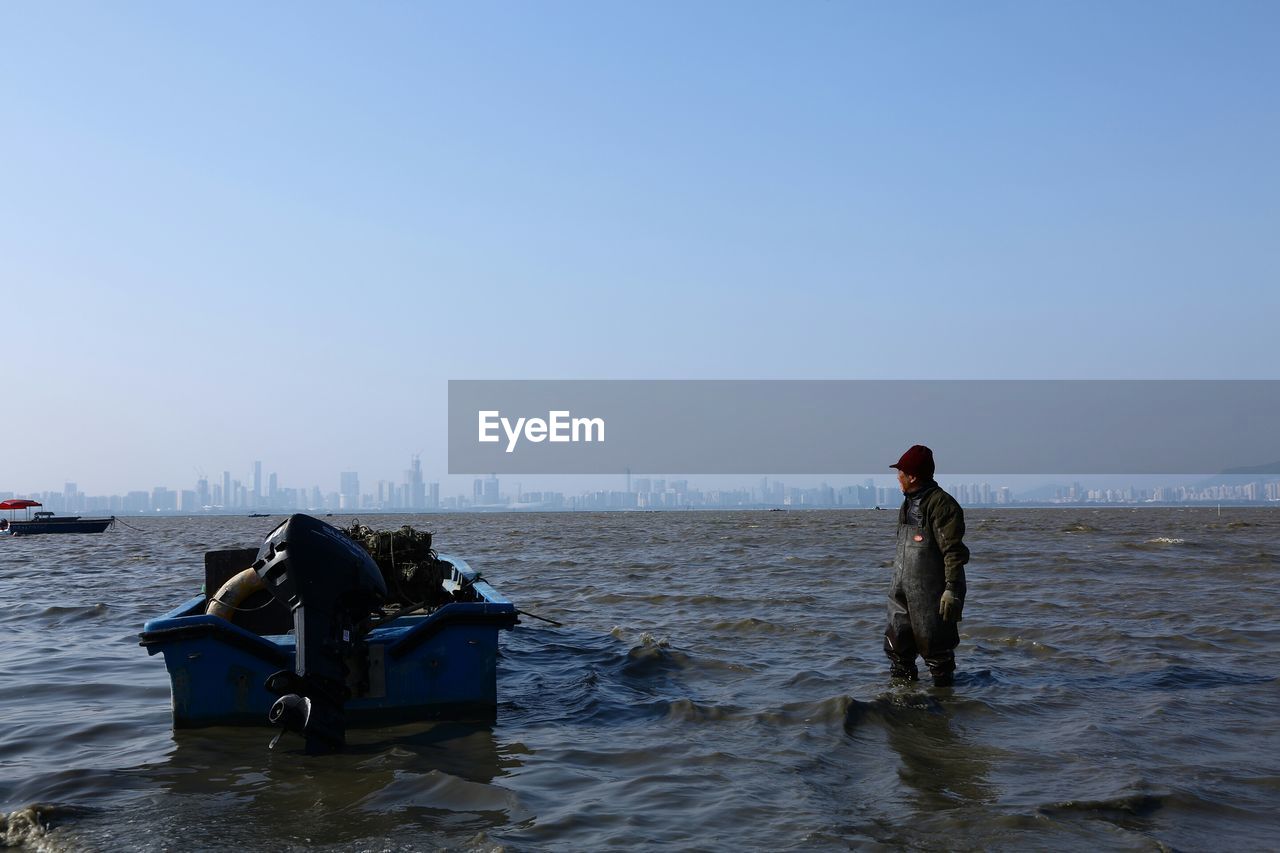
{"x":46,"y":522}
{"x":259,"y":515}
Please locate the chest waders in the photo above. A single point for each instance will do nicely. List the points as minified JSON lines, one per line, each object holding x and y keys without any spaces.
{"x":915,"y":627}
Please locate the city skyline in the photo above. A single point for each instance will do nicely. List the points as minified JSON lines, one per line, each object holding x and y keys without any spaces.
{"x":415,"y":494}
{"x":255,"y":479}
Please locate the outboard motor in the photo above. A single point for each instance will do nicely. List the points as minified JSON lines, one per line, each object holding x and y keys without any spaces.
{"x":331,"y":585}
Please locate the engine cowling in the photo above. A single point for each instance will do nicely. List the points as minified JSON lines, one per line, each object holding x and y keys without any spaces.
{"x":331,"y":585}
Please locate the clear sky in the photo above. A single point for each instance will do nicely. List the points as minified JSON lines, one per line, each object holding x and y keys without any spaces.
{"x":239,"y":231}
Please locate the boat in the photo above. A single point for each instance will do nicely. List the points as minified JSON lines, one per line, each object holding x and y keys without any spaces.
{"x":309,"y":632}
{"x":46,"y":522}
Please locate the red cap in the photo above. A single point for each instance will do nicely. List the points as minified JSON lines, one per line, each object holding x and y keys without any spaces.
{"x":917,"y":461}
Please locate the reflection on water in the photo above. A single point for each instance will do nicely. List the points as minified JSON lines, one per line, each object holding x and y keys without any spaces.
{"x":223,"y":787}
{"x":941,"y":768}
{"x":464,"y":750}
{"x":718,"y":684}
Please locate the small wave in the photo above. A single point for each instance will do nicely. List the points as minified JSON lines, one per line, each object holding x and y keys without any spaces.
{"x":62,"y":615}
{"x":1178,"y":677}
{"x":890,"y":710}
{"x":651,"y":660}
{"x":438,"y":790}
{"x":807,"y":677}
{"x":619,"y":598}
{"x":750,"y":625}
{"x":1115,"y":809}
{"x":1160,"y":543}
{"x":1079,"y":527}
{"x":985,"y":677}
{"x":823,"y":561}
{"x":645,"y":639}
{"x":33,"y":827}
{"x":833,"y":709}
{"x":1269,"y":783}
{"x":1034,"y":646}
{"x":655,"y":567}
{"x":689,"y":711}
{"x":711,"y":598}
{"x":1022,"y":642}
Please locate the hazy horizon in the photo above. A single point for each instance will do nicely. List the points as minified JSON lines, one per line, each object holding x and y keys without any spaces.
{"x":454,"y":486}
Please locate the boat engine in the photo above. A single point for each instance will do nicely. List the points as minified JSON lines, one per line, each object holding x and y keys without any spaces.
{"x":331,"y":585}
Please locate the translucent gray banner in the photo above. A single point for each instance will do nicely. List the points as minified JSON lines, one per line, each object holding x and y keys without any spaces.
{"x":861,"y":426}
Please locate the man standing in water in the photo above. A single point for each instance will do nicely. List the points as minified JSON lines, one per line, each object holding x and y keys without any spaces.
{"x":928,"y":589}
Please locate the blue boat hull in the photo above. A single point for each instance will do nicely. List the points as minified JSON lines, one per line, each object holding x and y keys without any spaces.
{"x":437,"y":666}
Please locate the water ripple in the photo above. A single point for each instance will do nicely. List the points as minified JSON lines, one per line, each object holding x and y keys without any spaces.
{"x":718,"y":684}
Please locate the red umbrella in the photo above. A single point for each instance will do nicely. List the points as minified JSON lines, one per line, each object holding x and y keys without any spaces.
{"x":20,"y":503}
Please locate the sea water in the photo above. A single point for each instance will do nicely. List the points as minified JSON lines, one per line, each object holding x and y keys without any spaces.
{"x":718,"y":684}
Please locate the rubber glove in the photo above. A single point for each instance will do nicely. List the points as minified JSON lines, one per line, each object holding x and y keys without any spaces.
{"x":950,"y":606}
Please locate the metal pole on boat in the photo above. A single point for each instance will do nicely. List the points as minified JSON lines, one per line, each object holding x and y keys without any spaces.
{"x":536,"y":616}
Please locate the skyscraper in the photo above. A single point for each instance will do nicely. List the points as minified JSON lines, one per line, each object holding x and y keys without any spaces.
{"x":349,"y":491}
{"x":417,"y":497}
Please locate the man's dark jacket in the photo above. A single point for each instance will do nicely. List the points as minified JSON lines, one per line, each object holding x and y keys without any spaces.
{"x":932,"y":506}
